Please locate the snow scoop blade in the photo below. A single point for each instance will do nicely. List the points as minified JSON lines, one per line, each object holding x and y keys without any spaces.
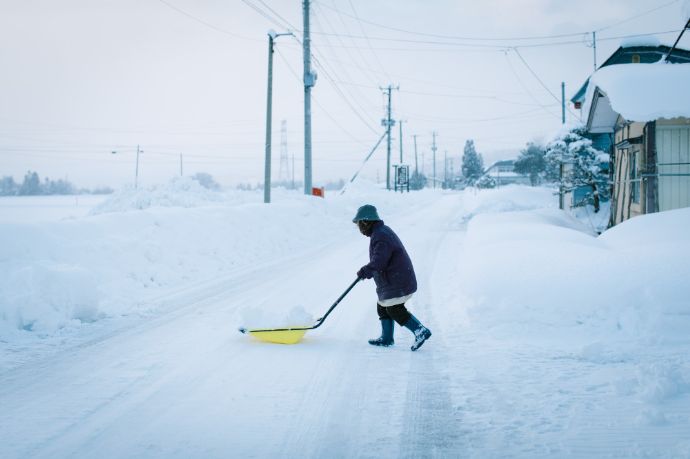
{"x":292,"y":335}
{"x":282,"y":336}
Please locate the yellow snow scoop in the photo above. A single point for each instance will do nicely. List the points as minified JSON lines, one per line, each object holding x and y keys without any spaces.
{"x":293,"y":335}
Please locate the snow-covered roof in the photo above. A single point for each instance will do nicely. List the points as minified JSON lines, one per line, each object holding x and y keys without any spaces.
{"x":649,"y":40}
{"x":637,"y":93}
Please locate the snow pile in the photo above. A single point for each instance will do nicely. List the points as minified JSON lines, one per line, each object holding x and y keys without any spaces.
{"x":644,"y":92}
{"x":546,"y":272}
{"x":67,"y":294}
{"x":179,"y":192}
{"x":260,"y":318}
{"x":117,"y":262}
{"x":507,"y":199}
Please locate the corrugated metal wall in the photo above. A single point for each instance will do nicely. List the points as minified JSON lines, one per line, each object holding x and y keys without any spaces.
{"x":673,"y":156}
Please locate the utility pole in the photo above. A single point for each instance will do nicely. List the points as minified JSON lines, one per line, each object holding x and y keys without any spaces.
{"x":416,"y":168}
{"x":283,"y":172}
{"x":594,"y":48}
{"x":388,"y":123}
{"x":401,"y":143}
{"x":433,"y":148}
{"x":309,"y":82}
{"x":687,"y":26}
{"x":562,"y":102}
{"x":445,"y":167}
{"x":272,"y":35}
{"x":136,"y":171}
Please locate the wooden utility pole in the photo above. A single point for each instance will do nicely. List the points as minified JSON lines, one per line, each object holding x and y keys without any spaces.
{"x":433,"y":148}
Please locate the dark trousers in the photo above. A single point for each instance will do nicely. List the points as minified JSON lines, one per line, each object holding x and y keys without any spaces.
{"x":399,"y":313}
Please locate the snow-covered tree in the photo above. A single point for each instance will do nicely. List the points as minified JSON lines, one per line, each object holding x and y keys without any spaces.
{"x":583,"y":164}
{"x":8,"y":187}
{"x":472,"y":163}
{"x":531,"y":162}
{"x":486,"y":181}
{"x":31,"y":185}
{"x":206,"y":180}
{"x":417,"y":180}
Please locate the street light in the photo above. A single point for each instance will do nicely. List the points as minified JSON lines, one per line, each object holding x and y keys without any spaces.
{"x":272,"y":35}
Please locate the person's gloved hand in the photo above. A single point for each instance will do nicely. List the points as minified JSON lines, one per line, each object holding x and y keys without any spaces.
{"x":365,"y":273}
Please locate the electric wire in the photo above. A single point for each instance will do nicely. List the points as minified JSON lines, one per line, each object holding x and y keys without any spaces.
{"x":524,"y":87}
{"x":335,"y":121}
{"x":368,"y":42}
{"x":637,"y":16}
{"x":541,"y":82}
{"x":499,"y":39}
{"x":344,"y":71}
{"x":319,"y":64}
{"x":205,"y":23}
{"x":366,"y":68}
{"x":265,"y":15}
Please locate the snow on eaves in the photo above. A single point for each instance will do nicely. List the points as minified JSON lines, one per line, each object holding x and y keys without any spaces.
{"x":648,"y":40}
{"x":643,"y":92}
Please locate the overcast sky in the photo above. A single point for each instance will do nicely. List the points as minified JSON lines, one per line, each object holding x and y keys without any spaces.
{"x":83,"y":78}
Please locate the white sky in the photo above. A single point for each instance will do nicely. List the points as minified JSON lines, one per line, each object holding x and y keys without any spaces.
{"x":81,"y":78}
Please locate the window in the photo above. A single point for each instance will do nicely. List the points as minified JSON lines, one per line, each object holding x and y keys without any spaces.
{"x":634,"y":179}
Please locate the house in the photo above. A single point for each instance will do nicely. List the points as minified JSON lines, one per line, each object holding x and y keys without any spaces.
{"x":645,"y":110}
{"x":637,"y":50}
{"x":503,"y":173}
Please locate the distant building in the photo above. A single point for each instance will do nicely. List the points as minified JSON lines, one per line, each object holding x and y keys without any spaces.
{"x":503,"y":173}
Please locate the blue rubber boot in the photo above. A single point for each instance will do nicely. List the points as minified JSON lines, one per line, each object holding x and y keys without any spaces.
{"x":386,"y":338}
{"x":421,"y":333}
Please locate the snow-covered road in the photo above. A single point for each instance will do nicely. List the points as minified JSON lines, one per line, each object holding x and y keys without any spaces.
{"x":184,"y":383}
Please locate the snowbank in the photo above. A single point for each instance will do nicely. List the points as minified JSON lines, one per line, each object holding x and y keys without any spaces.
{"x":179,"y":192}
{"x":139,"y":244}
{"x":526,"y":267}
{"x":546,"y":272}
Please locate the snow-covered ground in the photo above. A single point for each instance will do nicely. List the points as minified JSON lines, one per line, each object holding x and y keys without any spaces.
{"x":118,"y":329}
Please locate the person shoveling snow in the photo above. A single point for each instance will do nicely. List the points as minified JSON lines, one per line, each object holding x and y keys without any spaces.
{"x":391,"y":267}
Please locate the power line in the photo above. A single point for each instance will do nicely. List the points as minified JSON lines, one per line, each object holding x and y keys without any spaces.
{"x":265,"y":15}
{"x":448,"y":37}
{"x":291,"y":27}
{"x":368,"y":71}
{"x":524,"y":87}
{"x":317,"y":62}
{"x":344,"y":71}
{"x":540,"y":81}
{"x":637,"y":16}
{"x":500,"y":39}
{"x":207,"y":24}
{"x":361,"y":26}
{"x":335,"y":121}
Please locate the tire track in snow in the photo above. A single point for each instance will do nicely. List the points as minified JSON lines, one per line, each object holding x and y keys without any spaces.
{"x":431,"y":423}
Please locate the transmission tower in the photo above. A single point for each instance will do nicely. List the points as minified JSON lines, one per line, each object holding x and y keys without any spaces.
{"x":283,"y":153}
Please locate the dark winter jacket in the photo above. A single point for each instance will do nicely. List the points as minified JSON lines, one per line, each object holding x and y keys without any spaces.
{"x":389,"y":264}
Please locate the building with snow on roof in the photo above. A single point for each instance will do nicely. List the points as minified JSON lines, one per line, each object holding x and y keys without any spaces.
{"x":645,"y":110}
{"x":503,"y":173}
